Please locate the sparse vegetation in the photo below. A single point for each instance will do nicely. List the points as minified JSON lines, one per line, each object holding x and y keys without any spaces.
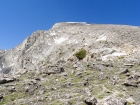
{"x":73,"y":49}
{"x":60,"y":53}
{"x":81,"y":54}
{"x":83,"y":38}
{"x":57,"y":75}
{"x":121,"y":57}
{"x":120,"y":95}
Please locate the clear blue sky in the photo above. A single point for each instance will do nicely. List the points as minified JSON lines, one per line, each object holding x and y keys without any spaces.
{"x":20,"y":18}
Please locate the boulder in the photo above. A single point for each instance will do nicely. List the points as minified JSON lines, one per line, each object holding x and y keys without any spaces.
{"x":6,"y":80}
{"x":130,"y":100}
{"x":90,"y":101}
{"x":128,"y":83}
{"x":1,"y":97}
{"x":113,"y":101}
{"x":124,"y":71}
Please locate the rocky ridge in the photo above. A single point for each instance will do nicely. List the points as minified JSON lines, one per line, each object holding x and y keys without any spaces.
{"x":44,"y":70}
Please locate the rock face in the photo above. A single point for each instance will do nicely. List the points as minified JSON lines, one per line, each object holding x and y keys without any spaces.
{"x":45,"y":64}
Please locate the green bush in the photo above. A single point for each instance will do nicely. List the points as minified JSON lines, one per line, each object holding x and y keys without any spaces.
{"x":81,"y":54}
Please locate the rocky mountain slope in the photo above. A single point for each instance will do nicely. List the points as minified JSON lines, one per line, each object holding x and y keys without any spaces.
{"x":45,"y":68}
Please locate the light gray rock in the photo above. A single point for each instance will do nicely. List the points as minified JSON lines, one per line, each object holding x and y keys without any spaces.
{"x":12,"y":89}
{"x":53,"y":45}
{"x":129,"y":83}
{"x":124,"y":71}
{"x":78,"y":73}
{"x":7,"y":80}
{"x":113,"y":101}
{"x":90,"y":101}
{"x":130,"y":100}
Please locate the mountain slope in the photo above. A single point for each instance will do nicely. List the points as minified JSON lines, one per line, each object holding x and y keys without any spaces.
{"x":45,"y":62}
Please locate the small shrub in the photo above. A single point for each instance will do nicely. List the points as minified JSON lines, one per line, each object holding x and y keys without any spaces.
{"x":121,"y":57}
{"x":60,"y":53}
{"x":129,"y":103}
{"x":73,"y":49}
{"x":81,"y":54}
{"x":120,"y":95}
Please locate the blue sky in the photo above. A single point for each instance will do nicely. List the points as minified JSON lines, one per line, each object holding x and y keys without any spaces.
{"x":20,"y":18}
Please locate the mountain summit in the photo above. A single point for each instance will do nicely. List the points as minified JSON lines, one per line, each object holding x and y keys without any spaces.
{"x":73,"y":64}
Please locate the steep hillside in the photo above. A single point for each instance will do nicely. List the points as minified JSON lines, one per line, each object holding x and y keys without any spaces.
{"x":47,"y":68}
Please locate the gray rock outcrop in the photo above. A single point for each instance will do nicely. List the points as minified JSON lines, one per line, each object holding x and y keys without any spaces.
{"x":44,"y":70}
